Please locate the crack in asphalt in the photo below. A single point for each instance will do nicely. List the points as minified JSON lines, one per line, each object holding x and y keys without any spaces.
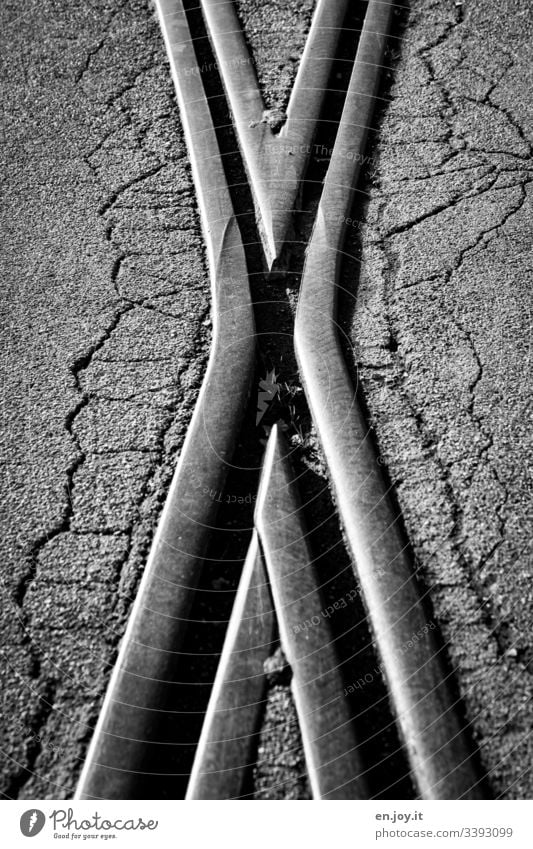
{"x":156,"y":478}
{"x":472,"y":487}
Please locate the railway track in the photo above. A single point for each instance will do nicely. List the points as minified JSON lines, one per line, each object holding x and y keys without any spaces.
{"x":135,"y":740}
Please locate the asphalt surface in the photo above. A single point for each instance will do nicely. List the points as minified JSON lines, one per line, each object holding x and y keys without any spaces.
{"x":442,"y":338}
{"x":105,"y":325}
{"x":276,"y":32}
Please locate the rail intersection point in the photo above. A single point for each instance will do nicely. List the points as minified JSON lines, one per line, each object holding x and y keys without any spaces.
{"x":126,"y":742}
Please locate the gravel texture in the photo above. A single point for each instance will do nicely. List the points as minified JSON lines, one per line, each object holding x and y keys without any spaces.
{"x":105,"y":328}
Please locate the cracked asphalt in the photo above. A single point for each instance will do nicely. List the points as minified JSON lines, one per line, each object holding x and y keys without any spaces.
{"x":105,"y":325}
{"x":105,"y":328}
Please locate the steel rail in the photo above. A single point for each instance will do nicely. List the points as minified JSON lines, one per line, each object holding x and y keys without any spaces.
{"x":275,"y":163}
{"x":127,"y":739}
{"x":227,"y":748}
{"x":328,"y":732}
{"x":432,"y":732}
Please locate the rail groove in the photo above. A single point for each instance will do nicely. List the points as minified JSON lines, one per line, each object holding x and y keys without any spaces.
{"x":278,"y":584}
